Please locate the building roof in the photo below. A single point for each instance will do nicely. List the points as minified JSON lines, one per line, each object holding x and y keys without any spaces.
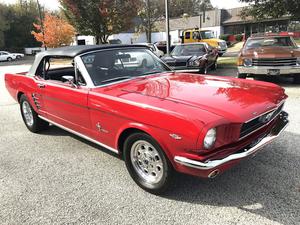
{"x":233,"y":16}
{"x":212,"y":19}
{"x":179,"y":23}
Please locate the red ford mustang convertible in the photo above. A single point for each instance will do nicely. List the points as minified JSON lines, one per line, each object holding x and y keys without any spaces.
{"x":127,"y":100}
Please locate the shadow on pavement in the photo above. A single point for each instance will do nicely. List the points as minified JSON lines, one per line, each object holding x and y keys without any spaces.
{"x":267,"y":185}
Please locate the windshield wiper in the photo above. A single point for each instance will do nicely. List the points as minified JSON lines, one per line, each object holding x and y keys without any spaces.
{"x":152,"y":72}
{"x":116,"y":79}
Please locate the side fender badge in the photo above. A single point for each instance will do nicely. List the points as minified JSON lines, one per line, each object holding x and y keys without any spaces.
{"x":100,"y":128}
{"x":175,"y":136}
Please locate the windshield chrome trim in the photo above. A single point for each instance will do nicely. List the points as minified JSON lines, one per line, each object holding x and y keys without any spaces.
{"x":88,"y":78}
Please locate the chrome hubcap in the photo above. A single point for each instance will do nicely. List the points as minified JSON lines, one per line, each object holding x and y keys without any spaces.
{"x":27,"y":112}
{"x":146,"y":161}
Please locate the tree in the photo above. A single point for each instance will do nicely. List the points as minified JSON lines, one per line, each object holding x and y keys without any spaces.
{"x":19,"y":18}
{"x":154,"y":10}
{"x":100,"y":18}
{"x":261,"y":9}
{"x":57,"y":32}
{"x":190,"y":7}
{"x":150,"y":12}
{"x":4,"y":25}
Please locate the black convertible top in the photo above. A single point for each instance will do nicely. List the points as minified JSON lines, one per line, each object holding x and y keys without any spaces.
{"x":73,"y":51}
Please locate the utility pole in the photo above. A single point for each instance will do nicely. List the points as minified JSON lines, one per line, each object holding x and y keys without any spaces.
{"x":148,"y":21}
{"x":202,"y":8}
{"x":42,"y":23}
{"x":167,"y":26}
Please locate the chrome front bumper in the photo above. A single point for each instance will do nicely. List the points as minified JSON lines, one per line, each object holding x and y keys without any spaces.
{"x":264,"y":70}
{"x":275,"y":132}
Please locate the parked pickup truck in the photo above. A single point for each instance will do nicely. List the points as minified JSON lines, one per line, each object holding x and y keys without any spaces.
{"x":269,"y":56}
{"x":157,"y":120}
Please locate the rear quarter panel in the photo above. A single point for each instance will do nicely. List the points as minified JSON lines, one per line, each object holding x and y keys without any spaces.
{"x":20,"y":83}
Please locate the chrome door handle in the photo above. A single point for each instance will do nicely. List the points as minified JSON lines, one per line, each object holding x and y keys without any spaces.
{"x":41,"y":85}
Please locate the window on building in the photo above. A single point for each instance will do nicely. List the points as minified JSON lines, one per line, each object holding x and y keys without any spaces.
{"x":187,"y":35}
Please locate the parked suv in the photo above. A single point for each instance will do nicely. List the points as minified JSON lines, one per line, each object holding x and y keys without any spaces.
{"x":269,"y":56}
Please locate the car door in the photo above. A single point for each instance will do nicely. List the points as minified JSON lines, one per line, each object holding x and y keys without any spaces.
{"x":4,"y":56}
{"x":1,"y":57}
{"x":66,"y":103}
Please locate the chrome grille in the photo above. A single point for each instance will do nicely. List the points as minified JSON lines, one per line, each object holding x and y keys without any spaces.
{"x":259,"y":122}
{"x":274,"y":62}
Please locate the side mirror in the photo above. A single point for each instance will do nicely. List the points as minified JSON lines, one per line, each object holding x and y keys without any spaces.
{"x":70,"y":80}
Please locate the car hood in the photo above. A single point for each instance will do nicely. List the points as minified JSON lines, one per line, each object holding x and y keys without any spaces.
{"x":230,"y":98}
{"x":272,"y":52}
{"x":237,"y":99}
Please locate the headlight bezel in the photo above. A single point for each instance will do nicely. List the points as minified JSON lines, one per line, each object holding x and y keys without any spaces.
{"x":194,"y":62}
{"x":210,"y":138}
{"x":247,"y":62}
{"x":298,"y":61}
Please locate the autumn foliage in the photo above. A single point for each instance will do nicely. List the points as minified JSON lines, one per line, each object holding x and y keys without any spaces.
{"x":57,"y":32}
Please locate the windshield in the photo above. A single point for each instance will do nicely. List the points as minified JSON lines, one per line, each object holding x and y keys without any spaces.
{"x":117,"y":64}
{"x":187,"y":50}
{"x":207,"y":34}
{"x":270,"y":42}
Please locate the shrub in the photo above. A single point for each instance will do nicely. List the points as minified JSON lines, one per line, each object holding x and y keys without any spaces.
{"x":238,"y":37}
{"x":224,"y":37}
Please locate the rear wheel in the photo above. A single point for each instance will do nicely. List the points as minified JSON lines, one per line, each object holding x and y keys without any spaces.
{"x":147,"y":163}
{"x":9,"y":59}
{"x":30,"y":117}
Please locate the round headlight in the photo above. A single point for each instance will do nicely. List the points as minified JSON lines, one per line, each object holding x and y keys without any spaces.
{"x":247,"y":62}
{"x":210,"y":138}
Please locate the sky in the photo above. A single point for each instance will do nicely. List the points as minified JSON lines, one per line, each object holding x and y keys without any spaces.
{"x":226,"y":4}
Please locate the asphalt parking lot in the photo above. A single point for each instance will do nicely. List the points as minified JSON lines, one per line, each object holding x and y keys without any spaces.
{"x":57,"y":178}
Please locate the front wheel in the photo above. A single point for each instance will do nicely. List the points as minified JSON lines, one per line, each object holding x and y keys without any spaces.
{"x":30,"y":117}
{"x":215,"y":65}
{"x":147,"y":164}
{"x":204,"y":69}
{"x":297,"y":79}
{"x":242,"y":75}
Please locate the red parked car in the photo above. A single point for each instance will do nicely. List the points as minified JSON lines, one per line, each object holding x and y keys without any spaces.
{"x":159,"y":121}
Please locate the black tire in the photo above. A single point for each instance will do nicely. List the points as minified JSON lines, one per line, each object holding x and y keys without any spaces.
{"x":215,"y":65}
{"x":242,"y":75}
{"x":135,"y":168}
{"x":220,"y":54}
{"x":204,"y":69}
{"x":297,"y":79}
{"x":37,"y":123}
{"x":9,"y":59}
{"x":18,"y":57}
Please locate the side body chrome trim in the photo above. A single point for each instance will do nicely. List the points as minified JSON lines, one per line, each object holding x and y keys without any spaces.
{"x":219,"y":162}
{"x":80,"y":135}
